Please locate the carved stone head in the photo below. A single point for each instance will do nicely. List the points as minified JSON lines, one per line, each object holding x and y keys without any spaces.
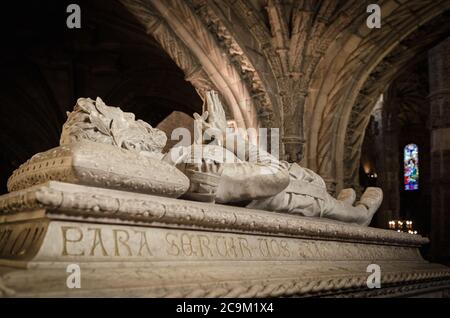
{"x":95,"y":121}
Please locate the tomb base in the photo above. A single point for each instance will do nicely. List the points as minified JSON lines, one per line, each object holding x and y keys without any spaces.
{"x":135,"y":245}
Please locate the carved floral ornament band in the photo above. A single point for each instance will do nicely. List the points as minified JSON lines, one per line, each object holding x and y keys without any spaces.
{"x":60,"y":198}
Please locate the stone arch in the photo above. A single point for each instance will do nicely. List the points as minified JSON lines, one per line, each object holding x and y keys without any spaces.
{"x":341,"y":75}
{"x":205,"y":62}
{"x":410,"y":51}
{"x":293,"y":37}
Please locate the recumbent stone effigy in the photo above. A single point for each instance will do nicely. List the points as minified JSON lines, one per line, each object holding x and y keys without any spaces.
{"x":108,"y":200}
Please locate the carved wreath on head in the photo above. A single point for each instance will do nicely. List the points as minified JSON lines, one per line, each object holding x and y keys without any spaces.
{"x":95,"y":121}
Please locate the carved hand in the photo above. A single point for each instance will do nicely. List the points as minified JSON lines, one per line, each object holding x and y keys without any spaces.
{"x":212,"y":121}
{"x":217,"y":118}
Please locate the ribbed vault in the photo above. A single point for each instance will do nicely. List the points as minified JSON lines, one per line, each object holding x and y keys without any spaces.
{"x":344,"y":80}
{"x":410,"y":51}
{"x":311,"y":68}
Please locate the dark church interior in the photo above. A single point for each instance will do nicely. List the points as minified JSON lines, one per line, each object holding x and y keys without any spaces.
{"x":46,"y":68}
{"x":361,"y":109}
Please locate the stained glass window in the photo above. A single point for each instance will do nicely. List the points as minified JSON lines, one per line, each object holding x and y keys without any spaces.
{"x":411,"y":164}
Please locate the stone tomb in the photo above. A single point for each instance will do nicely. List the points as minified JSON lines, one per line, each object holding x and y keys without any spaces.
{"x":138,"y":245}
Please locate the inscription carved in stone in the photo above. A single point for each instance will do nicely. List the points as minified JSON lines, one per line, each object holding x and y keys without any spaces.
{"x":84,"y":242}
{"x":20,"y":240}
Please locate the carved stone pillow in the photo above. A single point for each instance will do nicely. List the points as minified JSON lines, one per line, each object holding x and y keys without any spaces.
{"x":101,"y":165}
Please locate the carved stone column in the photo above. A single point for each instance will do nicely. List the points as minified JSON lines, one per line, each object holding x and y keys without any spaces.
{"x":388,"y":165}
{"x":293,"y":148}
{"x":439,"y":70}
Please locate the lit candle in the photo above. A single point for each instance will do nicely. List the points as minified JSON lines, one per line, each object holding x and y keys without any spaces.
{"x":409,"y":225}
{"x":392,"y":225}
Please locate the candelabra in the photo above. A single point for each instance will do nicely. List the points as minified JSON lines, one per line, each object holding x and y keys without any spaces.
{"x":402,"y":226}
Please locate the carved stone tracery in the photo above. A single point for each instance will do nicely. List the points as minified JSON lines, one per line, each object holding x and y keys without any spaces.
{"x":300,"y":43}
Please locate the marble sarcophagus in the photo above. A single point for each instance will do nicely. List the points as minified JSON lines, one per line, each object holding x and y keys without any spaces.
{"x":130,"y":244}
{"x":101,"y":216}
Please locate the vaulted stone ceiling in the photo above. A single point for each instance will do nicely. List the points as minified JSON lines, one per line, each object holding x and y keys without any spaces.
{"x":312,"y":68}
{"x":408,"y":53}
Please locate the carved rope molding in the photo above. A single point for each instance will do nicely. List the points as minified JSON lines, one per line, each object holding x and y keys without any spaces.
{"x":306,"y":287}
{"x":401,"y":291}
{"x":74,"y":200}
{"x":314,"y":286}
{"x":341,"y":286}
